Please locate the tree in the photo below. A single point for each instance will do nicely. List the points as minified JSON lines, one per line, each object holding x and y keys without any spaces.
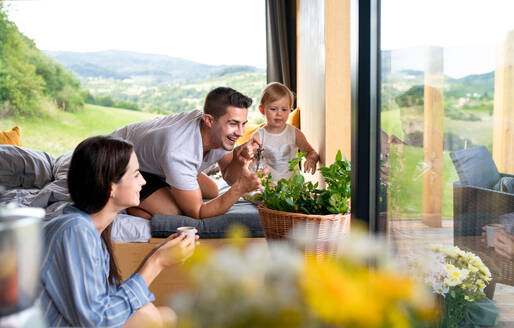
{"x":27,"y":76}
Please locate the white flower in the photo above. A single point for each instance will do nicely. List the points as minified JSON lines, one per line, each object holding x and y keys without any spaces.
{"x":448,"y":267}
{"x":440,"y":288}
{"x":456,"y":277}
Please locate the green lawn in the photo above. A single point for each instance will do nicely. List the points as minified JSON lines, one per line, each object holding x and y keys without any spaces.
{"x":406,"y":182}
{"x":62,"y":131}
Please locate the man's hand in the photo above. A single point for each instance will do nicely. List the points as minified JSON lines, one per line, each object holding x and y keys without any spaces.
{"x":504,"y":244}
{"x":250,"y":181}
{"x":247,"y":151}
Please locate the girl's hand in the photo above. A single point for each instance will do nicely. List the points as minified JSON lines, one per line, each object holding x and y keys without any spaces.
{"x":310,"y":162}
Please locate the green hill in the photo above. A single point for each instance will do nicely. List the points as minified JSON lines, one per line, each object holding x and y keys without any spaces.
{"x":155,"y":83}
{"x":61,"y":131}
{"x":149,"y":68}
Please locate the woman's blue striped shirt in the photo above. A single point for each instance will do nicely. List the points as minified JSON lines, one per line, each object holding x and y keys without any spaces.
{"x":73,"y":288}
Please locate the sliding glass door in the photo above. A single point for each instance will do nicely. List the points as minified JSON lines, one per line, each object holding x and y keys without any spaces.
{"x":445,"y":131}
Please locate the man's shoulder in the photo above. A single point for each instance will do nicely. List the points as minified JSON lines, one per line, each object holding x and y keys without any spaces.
{"x":185,"y":116}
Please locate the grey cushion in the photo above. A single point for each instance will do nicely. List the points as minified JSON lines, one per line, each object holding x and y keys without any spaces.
{"x":242,"y":212}
{"x":475,"y":167}
{"x":505,"y":184}
{"x":24,"y":167}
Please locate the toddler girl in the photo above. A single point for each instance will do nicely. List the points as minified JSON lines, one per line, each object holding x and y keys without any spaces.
{"x":280,"y":140}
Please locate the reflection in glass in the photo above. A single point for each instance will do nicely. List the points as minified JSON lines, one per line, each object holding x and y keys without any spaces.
{"x":447,"y":130}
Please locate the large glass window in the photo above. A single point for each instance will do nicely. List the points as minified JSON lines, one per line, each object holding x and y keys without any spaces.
{"x":447,"y":130}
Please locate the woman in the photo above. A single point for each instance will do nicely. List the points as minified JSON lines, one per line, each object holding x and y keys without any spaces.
{"x":80,"y":283}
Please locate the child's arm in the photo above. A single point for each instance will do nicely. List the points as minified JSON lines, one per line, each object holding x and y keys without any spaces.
{"x":312,"y":157}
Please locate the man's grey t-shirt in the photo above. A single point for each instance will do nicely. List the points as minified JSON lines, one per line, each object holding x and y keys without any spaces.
{"x":171,"y":147}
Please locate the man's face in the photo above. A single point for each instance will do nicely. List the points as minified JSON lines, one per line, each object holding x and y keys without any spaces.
{"x":229,"y":127}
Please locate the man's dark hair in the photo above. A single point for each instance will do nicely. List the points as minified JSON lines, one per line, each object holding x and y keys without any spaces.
{"x":96,"y":163}
{"x":219,"y":99}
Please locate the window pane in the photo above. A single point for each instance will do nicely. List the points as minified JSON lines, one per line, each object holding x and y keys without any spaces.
{"x":447,"y":130}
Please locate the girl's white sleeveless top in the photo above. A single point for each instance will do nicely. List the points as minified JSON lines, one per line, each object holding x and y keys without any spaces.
{"x":279,"y":149}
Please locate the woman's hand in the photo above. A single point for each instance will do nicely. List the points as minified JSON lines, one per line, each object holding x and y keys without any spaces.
{"x":175,"y":249}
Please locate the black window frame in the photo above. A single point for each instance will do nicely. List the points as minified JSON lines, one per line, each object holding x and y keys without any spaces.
{"x":365,"y":93}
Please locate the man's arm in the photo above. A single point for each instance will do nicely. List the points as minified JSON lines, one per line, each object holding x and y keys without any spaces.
{"x":230,"y":167}
{"x":191,"y":203}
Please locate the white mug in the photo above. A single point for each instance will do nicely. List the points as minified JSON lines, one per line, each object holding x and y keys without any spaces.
{"x":190,"y":231}
{"x":490,"y":231}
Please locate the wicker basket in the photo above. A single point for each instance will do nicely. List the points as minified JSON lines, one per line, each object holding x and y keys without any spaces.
{"x":325,"y":230}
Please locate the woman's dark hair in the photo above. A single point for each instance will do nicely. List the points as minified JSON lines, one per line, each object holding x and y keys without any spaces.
{"x":219,"y":99}
{"x":97,"y":162}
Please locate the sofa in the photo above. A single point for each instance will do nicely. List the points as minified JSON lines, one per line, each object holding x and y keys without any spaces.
{"x":480,"y":197}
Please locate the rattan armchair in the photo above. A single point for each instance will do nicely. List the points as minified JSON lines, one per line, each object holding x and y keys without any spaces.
{"x":474,"y":207}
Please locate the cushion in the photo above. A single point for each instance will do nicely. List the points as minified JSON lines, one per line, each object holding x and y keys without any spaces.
{"x":294,"y":118}
{"x":249,"y":131}
{"x":24,"y":167}
{"x":11,"y":137}
{"x":242,"y":212}
{"x":505,"y":184}
{"x":475,"y":167}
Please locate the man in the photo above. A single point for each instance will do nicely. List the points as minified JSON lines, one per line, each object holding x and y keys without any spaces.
{"x":175,"y":149}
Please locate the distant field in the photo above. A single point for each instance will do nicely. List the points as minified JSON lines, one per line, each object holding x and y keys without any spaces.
{"x":63,"y":131}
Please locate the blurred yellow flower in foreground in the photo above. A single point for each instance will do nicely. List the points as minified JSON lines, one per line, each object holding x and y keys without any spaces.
{"x":350,"y":295}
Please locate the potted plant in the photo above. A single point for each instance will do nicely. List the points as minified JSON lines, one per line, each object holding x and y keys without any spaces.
{"x":459,"y":278}
{"x":295,"y":202}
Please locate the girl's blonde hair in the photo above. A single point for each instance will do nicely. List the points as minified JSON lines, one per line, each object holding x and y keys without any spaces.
{"x":275,"y":91}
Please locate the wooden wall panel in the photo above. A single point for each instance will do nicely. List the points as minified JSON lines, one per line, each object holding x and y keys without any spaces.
{"x":503,"y":128}
{"x":433,"y":138}
{"x":337,"y":79}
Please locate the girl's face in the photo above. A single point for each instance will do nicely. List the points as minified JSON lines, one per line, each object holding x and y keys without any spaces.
{"x":277,"y":112}
{"x":125,"y":193}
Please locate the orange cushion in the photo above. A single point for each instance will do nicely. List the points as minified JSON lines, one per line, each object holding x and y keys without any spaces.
{"x":11,"y":137}
{"x":294,"y":118}
{"x":249,"y":131}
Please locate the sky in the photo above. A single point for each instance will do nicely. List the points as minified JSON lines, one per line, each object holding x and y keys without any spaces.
{"x":206,"y":31}
{"x":468,"y":30}
{"x":233,"y":31}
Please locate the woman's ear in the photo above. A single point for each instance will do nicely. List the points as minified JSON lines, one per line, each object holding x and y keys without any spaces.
{"x":261,"y":109}
{"x":208,"y":120}
{"x":113,"y":190}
